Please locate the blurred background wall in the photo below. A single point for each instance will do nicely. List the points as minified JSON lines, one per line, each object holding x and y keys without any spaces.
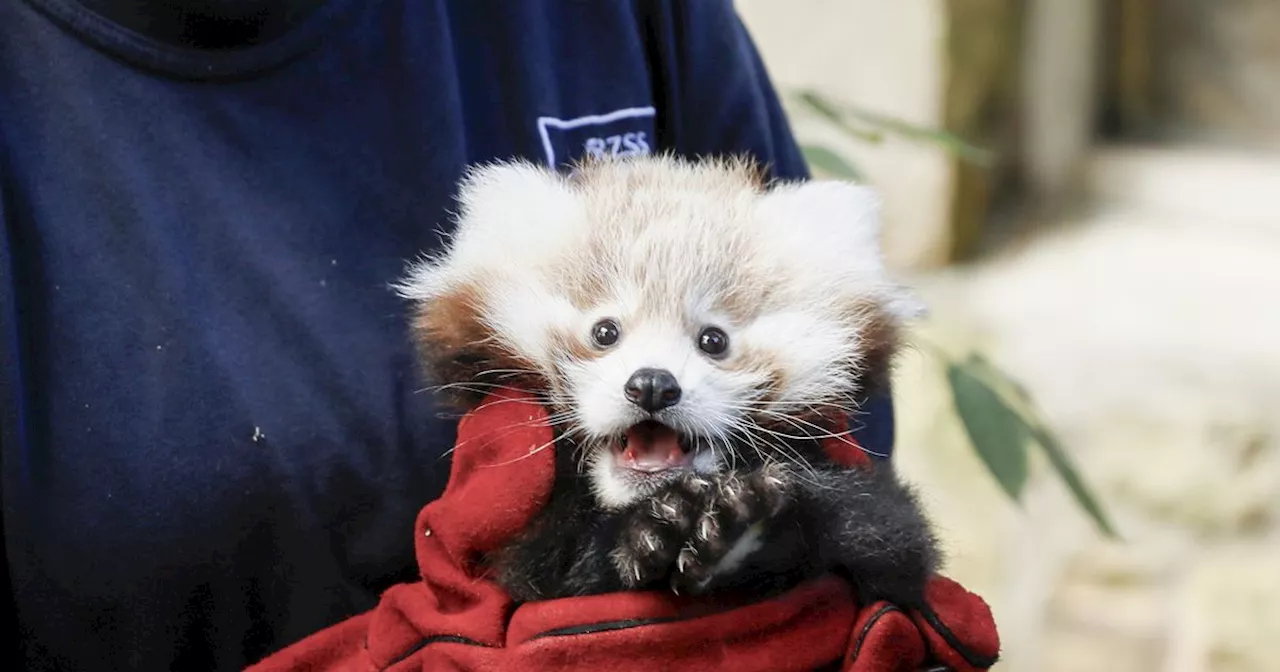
{"x":1120,"y":257}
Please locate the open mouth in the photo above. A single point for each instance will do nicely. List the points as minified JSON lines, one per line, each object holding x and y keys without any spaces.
{"x":652,"y":447}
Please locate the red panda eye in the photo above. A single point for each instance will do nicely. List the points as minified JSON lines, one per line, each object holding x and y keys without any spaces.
{"x":605,"y":333}
{"x":713,"y":341}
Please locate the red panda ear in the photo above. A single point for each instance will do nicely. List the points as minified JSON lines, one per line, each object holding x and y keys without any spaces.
{"x":512,"y":218}
{"x":515,"y":211}
{"x":845,"y":213}
{"x":505,"y":212}
{"x":828,"y":231}
{"x":835,"y":227}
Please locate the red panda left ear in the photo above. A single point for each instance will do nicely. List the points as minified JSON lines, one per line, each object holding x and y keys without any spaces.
{"x":846,"y":213}
{"x":831,"y":228}
{"x":506,"y":211}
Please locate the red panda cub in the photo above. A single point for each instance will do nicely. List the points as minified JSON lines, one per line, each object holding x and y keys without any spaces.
{"x":692,"y":331}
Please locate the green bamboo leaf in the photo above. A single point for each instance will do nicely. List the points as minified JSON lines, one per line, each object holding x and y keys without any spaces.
{"x":1071,"y":477}
{"x":949,"y":141}
{"x":829,"y":162}
{"x":1058,"y":457}
{"x":983,"y":367}
{"x":838,"y":114}
{"x":820,"y":106}
{"x":996,"y":431}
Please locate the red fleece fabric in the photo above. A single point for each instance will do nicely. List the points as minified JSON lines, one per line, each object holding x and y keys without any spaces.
{"x":456,"y":619}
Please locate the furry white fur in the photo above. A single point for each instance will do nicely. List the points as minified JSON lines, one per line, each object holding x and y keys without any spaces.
{"x":792,"y":273}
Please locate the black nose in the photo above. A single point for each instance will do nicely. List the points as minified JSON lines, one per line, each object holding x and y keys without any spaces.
{"x":652,"y":389}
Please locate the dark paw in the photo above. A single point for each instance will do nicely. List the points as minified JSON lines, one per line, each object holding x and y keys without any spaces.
{"x":699,"y":529}
{"x":733,"y":513}
{"x":652,"y":534}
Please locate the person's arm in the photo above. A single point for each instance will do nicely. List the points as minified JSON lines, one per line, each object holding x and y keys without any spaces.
{"x":716,"y":98}
{"x":714,"y":92}
{"x":10,"y":633}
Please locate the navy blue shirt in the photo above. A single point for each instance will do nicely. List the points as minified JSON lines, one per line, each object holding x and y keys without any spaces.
{"x":211,"y":438}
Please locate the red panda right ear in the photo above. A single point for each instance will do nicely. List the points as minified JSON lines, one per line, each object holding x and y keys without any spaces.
{"x":513,"y":210}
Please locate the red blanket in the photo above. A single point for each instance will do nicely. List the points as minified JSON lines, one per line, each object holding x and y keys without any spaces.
{"x":456,"y":619}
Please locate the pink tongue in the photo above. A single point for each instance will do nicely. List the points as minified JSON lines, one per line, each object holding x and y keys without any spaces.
{"x":653,"y":447}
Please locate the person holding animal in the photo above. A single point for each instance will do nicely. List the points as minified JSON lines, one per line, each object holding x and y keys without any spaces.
{"x":212,"y":441}
{"x":655,"y":363}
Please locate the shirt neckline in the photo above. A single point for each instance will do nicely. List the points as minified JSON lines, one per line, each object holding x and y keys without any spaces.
{"x":185,"y":62}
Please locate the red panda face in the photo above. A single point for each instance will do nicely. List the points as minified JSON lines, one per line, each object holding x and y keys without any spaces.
{"x":673,"y":314}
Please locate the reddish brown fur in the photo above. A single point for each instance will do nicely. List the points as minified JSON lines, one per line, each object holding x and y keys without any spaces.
{"x":881,"y":339}
{"x":573,"y":346}
{"x":455,"y":346}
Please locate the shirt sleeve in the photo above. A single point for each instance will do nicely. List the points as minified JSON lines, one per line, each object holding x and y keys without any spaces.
{"x":715,"y":98}
{"x":10,"y":658}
